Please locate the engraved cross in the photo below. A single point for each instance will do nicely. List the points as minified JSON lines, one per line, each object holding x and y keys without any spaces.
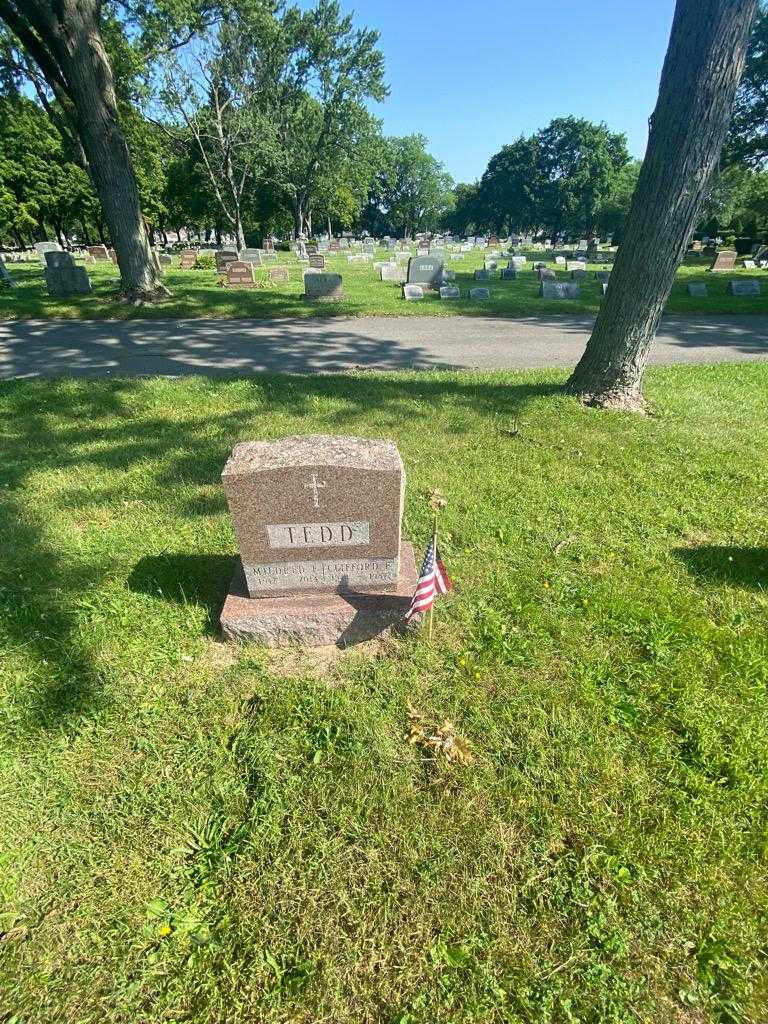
{"x":316,"y":486}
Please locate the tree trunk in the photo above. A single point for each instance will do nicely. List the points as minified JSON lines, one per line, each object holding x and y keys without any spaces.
{"x":704,"y":63}
{"x":72,"y":52}
{"x":239,"y":235}
{"x":298,"y":218}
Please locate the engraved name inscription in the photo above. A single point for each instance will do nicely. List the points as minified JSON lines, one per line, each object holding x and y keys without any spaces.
{"x":318,"y":535}
{"x":293,"y":575}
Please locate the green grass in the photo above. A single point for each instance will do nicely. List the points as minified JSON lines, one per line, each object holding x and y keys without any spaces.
{"x":192,"y":832}
{"x":197,"y":293}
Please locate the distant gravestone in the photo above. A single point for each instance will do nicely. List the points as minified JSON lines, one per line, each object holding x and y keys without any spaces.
{"x":482,"y":275}
{"x":6,"y":281}
{"x":560,"y":260}
{"x":602,"y":275}
{"x":559,"y":290}
{"x":393,"y":272}
{"x":223,"y":257}
{"x":63,"y":277}
{"x":749,"y":264}
{"x":425,"y":271}
{"x":578,"y":275}
{"x":491,"y":264}
{"x":449,"y":291}
{"x":43,"y":247}
{"x":323,"y":287}
{"x":188,"y":259}
{"x":252,"y":256}
{"x":239,"y":274}
{"x":165,"y":259}
{"x":725,"y":260}
{"x":575,"y":265}
{"x":545,"y":274}
{"x":278,"y":274}
{"x":317,"y":262}
{"x":479,"y":294}
{"x":508,"y":274}
{"x":412,"y":292}
{"x":697,"y":290}
{"x":518,"y":262}
{"x":99,"y":252}
{"x":334,"y":245}
{"x":743,"y":288}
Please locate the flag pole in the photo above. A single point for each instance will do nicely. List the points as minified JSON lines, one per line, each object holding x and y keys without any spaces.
{"x":431,"y":612}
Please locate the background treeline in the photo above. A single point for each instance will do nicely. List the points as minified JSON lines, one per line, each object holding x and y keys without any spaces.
{"x":256,"y":123}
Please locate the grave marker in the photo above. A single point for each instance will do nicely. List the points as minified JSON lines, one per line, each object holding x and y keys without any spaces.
{"x":252,"y":256}
{"x":425,"y":271}
{"x":317,"y":522}
{"x":743,"y":288}
{"x":319,"y":287}
{"x":558,"y":289}
{"x":239,"y":274}
{"x":725,"y":260}
{"x":63,"y":277}
{"x":393,"y":272}
{"x":223,"y":257}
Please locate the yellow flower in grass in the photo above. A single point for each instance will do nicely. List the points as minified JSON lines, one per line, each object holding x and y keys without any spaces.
{"x":164,"y":930}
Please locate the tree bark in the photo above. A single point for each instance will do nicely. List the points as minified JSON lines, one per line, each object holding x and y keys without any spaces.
{"x":298,"y":218}
{"x":68,"y":47}
{"x":704,"y":63}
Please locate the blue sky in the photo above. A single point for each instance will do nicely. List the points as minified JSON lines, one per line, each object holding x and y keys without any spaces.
{"x":474,"y":76}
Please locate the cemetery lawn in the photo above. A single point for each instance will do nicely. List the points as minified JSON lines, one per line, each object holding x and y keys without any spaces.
{"x":197,"y":293}
{"x":197,"y":832}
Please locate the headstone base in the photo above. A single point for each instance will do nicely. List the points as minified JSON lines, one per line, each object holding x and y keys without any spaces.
{"x":319,"y":619}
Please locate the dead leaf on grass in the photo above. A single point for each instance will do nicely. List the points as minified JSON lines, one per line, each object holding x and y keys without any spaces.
{"x":443,"y":740}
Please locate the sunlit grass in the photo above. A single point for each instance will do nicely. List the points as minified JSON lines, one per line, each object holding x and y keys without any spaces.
{"x":197,"y":293}
{"x":192,"y":832}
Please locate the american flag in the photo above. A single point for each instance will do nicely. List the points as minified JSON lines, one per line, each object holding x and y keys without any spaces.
{"x":433,"y":580}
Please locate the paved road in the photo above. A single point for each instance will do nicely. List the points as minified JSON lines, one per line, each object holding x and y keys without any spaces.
{"x":82,"y":348}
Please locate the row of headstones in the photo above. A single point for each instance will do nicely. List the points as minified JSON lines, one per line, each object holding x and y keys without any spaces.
{"x":744,"y":288}
{"x":317,"y":285}
{"x":412,"y":292}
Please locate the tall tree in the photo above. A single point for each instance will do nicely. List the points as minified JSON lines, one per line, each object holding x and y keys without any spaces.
{"x":413,"y":189}
{"x":512,"y":185}
{"x":702,"y":68}
{"x":64,"y":39}
{"x":328,"y":70}
{"x":216,"y":92}
{"x":579,"y":163}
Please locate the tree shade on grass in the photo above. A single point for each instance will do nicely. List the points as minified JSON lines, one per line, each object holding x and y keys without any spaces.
{"x":193,"y":832}
{"x":704,"y":63}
